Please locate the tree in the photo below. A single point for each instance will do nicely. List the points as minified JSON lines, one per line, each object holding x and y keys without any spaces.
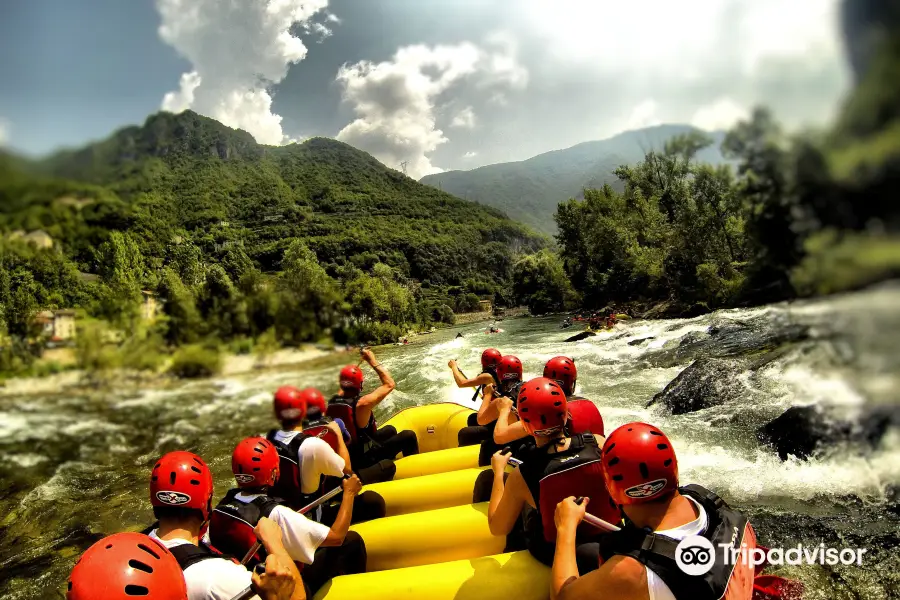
{"x":309,"y":300}
{"x":541,"y":283}
{"x":182,"y":323}
{"x":221,"y":305}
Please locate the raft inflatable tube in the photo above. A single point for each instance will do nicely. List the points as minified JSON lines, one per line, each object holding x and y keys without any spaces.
{"x":512,"y":575}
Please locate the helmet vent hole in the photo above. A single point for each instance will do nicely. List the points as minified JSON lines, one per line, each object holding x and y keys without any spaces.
{"x":198,"y":461}
{"x":136,"y":564}
{"x":258,"y":449}
{"x":652,"y":432}
{"x":108,"y":546}
{"x":256,"y":469}
{"x":611,"y":446}
{"x":667,"y":462}
{"x":631,"y":429}
{"x":557,"y":403}
{"x":195,"y":482}
{"x":527,"y":420}
{"x":195,"y":469}
{"x":256,"y":459}
{"x":617,"y":478}
{"x":645,"y":472}
{"x":662,"y":446}
{"x":154,"y":478}
{"x":147,"y":550}
{"x":523,"y":409}
{"x":70,"y":586}
{"x":543,"y":420}
{"x":172,"y":477}
{"x":136,"y":590}
{"x":613,"y":461}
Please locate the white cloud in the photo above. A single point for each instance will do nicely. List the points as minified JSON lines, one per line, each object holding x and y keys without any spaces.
{"x":4,"y":131}
{"x":464,"y":118}
{"x":470,"y":154}
{"x":645,"y":114}
{"x":721,"y":114}
{"x":395,"y":100}
{"x":238,"y":50}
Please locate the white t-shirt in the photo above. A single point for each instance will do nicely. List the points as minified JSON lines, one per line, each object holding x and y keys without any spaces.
{"x":211,"y":579}
{"x":301,"y":536}
{"x":657,"y":587}
{"x":316,"y":458}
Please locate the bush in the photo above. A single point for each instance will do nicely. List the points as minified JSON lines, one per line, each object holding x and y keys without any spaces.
{"x":93,"y":348}
{"x":241,"y":346}
{"x":195,"y":361}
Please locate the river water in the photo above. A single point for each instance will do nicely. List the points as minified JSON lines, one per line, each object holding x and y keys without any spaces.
{"x":75,"y":466}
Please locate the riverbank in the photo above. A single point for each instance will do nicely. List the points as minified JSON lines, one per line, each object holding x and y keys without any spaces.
{"x":231,"y":365}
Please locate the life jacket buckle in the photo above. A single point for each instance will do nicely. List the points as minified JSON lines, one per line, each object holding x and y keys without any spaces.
{"x":647,"y":544}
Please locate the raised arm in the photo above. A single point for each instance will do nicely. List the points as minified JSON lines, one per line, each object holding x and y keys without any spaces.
{"x":341,"y":523}
{"x":372,"y":399}
{"x":463,"y":382}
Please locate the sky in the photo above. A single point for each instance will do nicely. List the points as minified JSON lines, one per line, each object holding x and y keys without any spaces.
{"x":434,"y":84}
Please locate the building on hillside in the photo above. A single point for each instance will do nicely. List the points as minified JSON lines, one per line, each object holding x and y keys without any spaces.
{"x":39,"y":238}
{"x":486,"y":305}
{"x":149,"y":306}
{"x":56,"y":325}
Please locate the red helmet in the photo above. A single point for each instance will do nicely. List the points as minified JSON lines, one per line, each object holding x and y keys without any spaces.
{"x":182,"y":479}
{"x":351,"y":378}
{"x":639,"y":464}
{"x":126,"y":565}
{"x":542,"y":406}
{"x":289,"y":404}
{"x":509,"y":367}
{"x":561,"y":369}
{"x":315,"y":401}
{"x":490,"y":358}
{"x":254,"y":463}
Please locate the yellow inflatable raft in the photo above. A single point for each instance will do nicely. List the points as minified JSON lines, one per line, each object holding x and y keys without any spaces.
{"x":434,"y":543}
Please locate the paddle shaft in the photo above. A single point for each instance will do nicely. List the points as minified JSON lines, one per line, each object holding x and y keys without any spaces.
{"x":597,"y":521}
{"x":314,"y":504}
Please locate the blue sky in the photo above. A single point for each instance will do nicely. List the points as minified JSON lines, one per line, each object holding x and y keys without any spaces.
{"x":442,"y":84}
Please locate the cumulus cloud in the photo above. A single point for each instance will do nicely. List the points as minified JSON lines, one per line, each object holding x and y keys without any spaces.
{"x":4,"y":131}
{"x":396,"y":100}
{"x":238,"y":51}
{"x":720,"y":114}
{"x":470,"y":154}
{"x":464,"y":118}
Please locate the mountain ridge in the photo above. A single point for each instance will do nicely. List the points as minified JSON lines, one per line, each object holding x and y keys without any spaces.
{"x":532,"y":188}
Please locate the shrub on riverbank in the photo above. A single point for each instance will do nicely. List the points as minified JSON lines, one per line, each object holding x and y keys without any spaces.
{"x":194,"y":361}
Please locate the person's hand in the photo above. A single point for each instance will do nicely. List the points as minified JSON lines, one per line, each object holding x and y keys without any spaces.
{"x":367,"y":355}
{"x":452,"y":364}
{"x":499,"y":460}
{"x":489,"y":390}
{"x":352,"y":485}
{"x":268,"y":532}
{"x":277,"y":583}
{"x":504,"y":402}
{"x":569,"y":514}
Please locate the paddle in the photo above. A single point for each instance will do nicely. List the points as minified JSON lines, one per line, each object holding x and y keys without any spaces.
{"x":596,"y":521}
{"x":314,"y":504}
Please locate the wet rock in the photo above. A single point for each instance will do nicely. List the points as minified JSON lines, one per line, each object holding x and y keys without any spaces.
{"x":705,"y":383}
{"x":640,"y":341}
{"x":692,"y":338}
{"x":802,"y":431}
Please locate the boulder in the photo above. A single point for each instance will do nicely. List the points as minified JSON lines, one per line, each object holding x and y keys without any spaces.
{"x":705,"y":383}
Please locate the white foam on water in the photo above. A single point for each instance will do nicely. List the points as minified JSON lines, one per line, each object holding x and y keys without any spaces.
{"x":24,"y":460}
{"x":807,"y":386}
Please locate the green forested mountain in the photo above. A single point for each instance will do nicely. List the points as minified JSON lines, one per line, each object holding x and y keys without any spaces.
{"x":239,"y":239}
{"x":189,"y":175}
{"x":531,"y":189}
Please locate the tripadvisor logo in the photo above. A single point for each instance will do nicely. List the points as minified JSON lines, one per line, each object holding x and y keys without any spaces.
{"x":696,"y":555}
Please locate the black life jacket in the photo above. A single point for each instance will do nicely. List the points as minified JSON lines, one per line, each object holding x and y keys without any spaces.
{"x":189,"y":554}
{"x":657,"y":552}
{"x":575,"y":471}
{"x":341,"y":407}
{"x":492,"y":371}
{"x":232,"y":523}
{"x":287,"y":487}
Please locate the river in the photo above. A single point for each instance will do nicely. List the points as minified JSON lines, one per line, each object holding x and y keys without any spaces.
{"x":74,"y":466}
